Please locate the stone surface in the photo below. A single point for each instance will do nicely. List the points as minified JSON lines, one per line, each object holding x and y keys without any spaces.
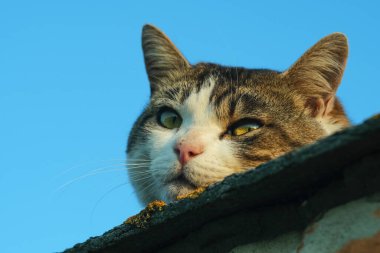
{"x":278,"y":198}
{"x":341,"y":229}
{"x":341,"y":225}
{"x":286,"y":243}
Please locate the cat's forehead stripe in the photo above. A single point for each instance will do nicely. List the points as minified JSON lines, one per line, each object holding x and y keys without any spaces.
{"x":198,"y":103}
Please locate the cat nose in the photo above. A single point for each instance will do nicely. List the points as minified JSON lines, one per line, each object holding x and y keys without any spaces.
{"x":187,"y":151}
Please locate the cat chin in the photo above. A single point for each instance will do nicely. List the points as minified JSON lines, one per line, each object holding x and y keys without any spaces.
{"x":177,"y":187}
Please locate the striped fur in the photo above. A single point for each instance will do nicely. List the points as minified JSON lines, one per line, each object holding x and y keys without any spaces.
{"x":296,"y":107}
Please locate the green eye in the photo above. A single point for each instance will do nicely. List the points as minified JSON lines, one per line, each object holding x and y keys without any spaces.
{"x":169,"y":119}
{"x":243,"y":127}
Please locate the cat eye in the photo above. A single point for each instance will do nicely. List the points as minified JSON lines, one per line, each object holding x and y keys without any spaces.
{"x":169,"y":119}
{"x":244,"y":126}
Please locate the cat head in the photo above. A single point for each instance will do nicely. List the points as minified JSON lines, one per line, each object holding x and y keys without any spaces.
{"x":205,"y":121}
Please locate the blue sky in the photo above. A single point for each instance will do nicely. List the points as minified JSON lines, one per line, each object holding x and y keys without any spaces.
{"x":72,"y":82}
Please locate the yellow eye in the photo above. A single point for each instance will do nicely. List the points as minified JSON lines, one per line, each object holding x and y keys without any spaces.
{"x":169,"y":119}
{"x":243,"y":128}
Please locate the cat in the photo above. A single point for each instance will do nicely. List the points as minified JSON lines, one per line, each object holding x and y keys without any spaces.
{"x":205,"y":121}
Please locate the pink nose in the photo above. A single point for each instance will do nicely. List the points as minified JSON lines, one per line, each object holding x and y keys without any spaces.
{"x":187,"y":151}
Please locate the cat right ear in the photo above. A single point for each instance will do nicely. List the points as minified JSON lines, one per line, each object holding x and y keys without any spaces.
{"x":317,"y":74}
{"x":161,"y":57}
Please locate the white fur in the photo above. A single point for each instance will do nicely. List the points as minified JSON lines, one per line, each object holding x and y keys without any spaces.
{"x":329,"y":127}
{"x":201,"y":125}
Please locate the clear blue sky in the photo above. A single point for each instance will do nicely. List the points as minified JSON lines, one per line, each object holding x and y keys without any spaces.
{"x":72,"y":81}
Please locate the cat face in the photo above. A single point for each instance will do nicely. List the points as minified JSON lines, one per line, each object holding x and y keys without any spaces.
{"x":205,"y":121}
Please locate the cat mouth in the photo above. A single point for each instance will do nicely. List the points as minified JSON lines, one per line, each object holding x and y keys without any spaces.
{"x":179,"y":185}
{"x":182,"y":181}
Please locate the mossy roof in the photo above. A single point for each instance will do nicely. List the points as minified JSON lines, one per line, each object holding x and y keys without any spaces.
{"x":299,"y":185}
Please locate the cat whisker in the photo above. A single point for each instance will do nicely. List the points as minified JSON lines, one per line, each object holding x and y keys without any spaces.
{"x":133,"y":171}
{"x":85,"y":164}
{"x":139,"y":174}
{"x":141,"y":178}
{"x":135,"y":161}
{"x":113,"y":165}
{"x":104,"y":168}
{"x":104,"y":195}
{"x":86,"y":176}
{"x":138,"y":159}
{"x":148,"y":187}
{"x":132,"y":164}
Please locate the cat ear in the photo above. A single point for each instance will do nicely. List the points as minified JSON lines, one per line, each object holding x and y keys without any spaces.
{"x":161,"y":57}
{"x":318,"y":73}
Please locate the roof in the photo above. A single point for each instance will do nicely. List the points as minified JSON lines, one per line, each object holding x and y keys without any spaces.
{"x":282,"y":195}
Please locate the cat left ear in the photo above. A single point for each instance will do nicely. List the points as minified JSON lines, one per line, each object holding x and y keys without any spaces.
{"x":318,"y":73}
{"x":161,"y":57}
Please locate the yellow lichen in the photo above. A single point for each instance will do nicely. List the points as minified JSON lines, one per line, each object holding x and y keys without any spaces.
{"x":141,"y":219}
{"x":191,"y":195}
